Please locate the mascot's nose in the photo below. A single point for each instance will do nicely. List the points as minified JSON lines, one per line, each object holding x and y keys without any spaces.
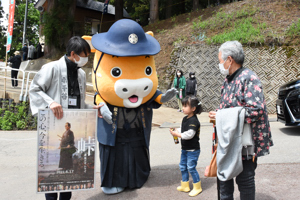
{"x":126,"y":88}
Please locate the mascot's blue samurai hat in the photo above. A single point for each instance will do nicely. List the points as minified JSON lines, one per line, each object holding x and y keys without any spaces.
{"x":126,"y":38}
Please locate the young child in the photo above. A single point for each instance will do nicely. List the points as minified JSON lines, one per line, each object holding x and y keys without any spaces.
{"x":190,"y":146}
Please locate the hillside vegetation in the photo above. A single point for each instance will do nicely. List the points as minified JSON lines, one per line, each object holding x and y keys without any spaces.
{"x":252,"y":22}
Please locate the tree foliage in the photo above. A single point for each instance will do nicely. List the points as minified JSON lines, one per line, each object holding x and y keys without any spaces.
{"x":139,"y":10}
{"x":32,"y":24}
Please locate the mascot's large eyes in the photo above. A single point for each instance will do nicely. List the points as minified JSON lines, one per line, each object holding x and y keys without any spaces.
{"x":148,"y":70}
{"x":116,"y":72}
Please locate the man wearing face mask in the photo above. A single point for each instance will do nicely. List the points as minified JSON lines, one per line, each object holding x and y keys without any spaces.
{"x":242,"y":88}
{"x":61,"y":85}
{"x":191,"y":85}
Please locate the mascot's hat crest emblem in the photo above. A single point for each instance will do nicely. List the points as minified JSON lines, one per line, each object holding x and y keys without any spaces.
{"x":126,"y":38}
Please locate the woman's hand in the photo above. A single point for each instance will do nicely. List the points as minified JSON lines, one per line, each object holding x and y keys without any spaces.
{"x":212,"y":114}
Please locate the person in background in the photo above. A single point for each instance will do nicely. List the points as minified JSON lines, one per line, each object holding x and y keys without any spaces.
{"x":38,"y":50}
{"x":16,"y":62}
{"x":191,"y":85}
{"x":179,"y":84}
{"x":25,"y":52}
{"x":31,"y":50}
{"x":190,"y":146}
{"x":242,"y":87}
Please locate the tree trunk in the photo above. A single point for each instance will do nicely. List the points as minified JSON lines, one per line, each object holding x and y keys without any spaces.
{"x":195,"y":4}
{"x":169,"y":9}
{"x":182,"y":7}
{"x":118,"y":9}
{"x":153,"y":11}
{"x":50,"y":50}
{"x":72,"y":10}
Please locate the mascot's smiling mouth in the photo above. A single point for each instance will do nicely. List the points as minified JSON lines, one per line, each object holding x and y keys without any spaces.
{"x":133,"y":99}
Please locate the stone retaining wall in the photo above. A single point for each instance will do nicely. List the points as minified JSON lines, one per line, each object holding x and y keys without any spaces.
{"x":274,"y":66}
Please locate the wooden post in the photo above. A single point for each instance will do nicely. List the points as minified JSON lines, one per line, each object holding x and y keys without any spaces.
{"x":101,"y":21}
{"x":215,"y":140}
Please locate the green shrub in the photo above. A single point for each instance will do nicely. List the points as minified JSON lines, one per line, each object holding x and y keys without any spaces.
{"x":294,"y":29}
{"x":222,"y":19}
{"x":16,"y":117}
{"x":21,"y":124}
{"x":243,"y":31}
{"x":173,"y":19}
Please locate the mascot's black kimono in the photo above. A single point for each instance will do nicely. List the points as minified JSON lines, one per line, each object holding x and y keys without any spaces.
{"x":125,"y":81}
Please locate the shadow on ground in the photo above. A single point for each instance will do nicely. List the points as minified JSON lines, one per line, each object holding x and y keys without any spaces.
{"x":162,"y":184}
{"x":272,"y":182}
{"x":291,"y":130}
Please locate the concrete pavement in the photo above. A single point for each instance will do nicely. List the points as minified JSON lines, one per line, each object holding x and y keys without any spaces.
{"x":276,"y":176}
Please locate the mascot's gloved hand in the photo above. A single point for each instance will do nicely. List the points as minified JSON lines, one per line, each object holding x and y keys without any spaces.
{"x":105,"y":112}
{"x":168,"y":95}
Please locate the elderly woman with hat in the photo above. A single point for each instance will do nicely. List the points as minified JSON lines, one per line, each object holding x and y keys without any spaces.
{"x":243,"y":88}
{"x":16,"y":62}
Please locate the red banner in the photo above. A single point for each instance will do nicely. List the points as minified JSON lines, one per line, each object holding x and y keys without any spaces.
{"x":10,"y":24}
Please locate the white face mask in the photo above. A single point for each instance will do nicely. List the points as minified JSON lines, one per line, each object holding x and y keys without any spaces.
{"x":82,"y":61}
{"x":178,"y":74}
{"x":223,"y":70}
{"x":192,"y":76}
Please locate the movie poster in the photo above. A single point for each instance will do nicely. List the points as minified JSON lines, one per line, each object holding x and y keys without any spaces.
{"x":66,"y":150}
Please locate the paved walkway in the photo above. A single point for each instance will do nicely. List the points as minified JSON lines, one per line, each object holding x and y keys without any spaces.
{"x":277,"y":175}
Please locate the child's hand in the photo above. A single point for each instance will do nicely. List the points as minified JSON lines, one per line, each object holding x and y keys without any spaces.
{"x":174,"y":132}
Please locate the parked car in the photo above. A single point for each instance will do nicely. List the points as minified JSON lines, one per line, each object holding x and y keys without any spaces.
{"x":288,"y":103}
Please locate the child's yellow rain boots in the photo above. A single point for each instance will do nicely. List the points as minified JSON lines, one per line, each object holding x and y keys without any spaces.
{"x":185,"y":187}
{"x":196,"y":189}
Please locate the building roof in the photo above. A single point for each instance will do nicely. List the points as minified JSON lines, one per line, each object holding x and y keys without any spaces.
{"x":98,"y":6}
{"x":39,"y":3}
{"x":92,"y":5}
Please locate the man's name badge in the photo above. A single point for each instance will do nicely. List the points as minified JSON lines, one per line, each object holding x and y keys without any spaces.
{"x":72,"y":101}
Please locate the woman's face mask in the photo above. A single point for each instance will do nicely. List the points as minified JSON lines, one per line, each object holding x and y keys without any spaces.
{"x":82,"y":61}
{"x":192,"y":76}
{"x":178,"y":74}
{"x":223,"y":70}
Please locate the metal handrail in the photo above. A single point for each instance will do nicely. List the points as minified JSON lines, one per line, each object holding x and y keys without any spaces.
{"x":23,"y":79}
{"x":29,"y":72}
{"x":24,"y":97}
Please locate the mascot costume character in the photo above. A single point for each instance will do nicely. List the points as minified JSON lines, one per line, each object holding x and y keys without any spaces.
{"x":125,"y":81}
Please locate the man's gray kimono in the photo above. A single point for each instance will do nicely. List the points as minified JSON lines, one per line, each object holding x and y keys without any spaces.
{"x":50,"y":85}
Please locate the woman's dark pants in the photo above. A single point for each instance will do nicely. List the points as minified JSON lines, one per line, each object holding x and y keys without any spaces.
{"x":245,"y":182}
{"x":14,"y":76}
